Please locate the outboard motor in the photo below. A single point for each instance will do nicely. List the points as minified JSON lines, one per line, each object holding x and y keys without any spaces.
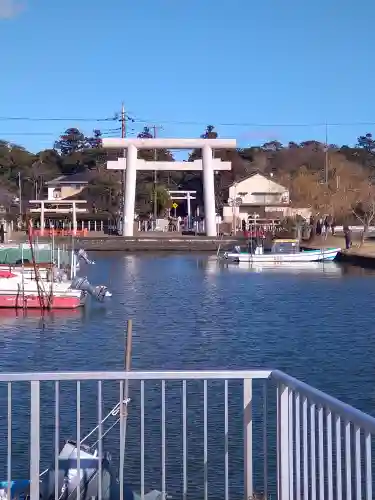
{"x":82,"y":254}
{"x":98,"y":292}
{"x":87,"y":478}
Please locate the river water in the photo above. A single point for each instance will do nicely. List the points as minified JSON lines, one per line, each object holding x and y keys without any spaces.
{"x":189,"y":313}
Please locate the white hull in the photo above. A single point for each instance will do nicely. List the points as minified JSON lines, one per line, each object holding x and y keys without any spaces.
{"x":16,"y":291}
{"x":278,"y":258}
{"x":323,"y":267}
{"x":30,"y":286}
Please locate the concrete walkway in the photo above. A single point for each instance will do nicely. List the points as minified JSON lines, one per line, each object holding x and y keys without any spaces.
{"x":358,"y":255}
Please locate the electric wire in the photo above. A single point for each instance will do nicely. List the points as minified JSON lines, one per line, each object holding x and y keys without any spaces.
{"x":135,"y":119}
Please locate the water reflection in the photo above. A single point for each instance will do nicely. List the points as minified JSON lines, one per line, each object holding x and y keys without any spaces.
{"x":131,"y":263}
{"x":212,"y":266}
{"x":329,"y":268}
{"x":35,"y":317}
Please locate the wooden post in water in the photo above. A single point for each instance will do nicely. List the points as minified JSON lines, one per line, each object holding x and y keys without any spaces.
{"x":124,"y":407}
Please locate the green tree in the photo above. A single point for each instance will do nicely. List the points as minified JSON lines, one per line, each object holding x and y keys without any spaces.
{"x":146,"y":197}
{"x":151,"y":154}
{"x":104,"y":193}
{"x":367,"y":142}
{"x":71,"y":141}
{"x":145,"y":179}
{"x":74,"y":152}
{"x":79,"y":152}
{"x":272,"y":146}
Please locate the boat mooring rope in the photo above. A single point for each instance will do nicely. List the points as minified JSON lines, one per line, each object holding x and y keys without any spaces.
{"x":115,"y":411}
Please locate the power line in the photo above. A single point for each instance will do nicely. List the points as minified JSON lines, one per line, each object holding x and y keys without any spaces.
{"x":255,"y":124}
{"x":117,"y":117}
{"x":103,"y":132}
{"x":55,"y":119}
{"x":2,"y":134}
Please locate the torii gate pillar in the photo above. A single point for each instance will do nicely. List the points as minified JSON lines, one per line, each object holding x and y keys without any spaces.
{"x":131,"y":164}
{"x":130,"y":185}
{"x":209,"y":191}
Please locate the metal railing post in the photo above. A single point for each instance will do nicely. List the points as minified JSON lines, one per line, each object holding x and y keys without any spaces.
{"x":34,"y":439}
{"x":248,"y":437}
{"x":283,"y":442}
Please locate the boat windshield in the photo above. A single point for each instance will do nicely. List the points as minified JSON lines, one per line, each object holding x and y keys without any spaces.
{"x":285,"y":246}
{"x":252,"y":244}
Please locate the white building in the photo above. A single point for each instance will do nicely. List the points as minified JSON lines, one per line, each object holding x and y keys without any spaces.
{"x":66,"y":186}
{"x":60,"y":203}
{"x":256,"y":194}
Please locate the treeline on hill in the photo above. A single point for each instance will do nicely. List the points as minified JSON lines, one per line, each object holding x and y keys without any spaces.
{"x":338,"y":180}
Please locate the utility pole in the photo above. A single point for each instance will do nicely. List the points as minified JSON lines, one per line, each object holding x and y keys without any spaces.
{"x":123,"y":135}
{"x":20,"y":195}
{"x":155,"y":200}
{"x":326,"y":158}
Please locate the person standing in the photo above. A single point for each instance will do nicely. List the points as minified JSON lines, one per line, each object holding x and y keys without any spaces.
{"x":319,"y":227}
{"x":2,"y":233}
{"x":348,"y":236}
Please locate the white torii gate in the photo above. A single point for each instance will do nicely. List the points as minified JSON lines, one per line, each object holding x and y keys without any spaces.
{"x":132,"y":163}
{"x":184,"y":195}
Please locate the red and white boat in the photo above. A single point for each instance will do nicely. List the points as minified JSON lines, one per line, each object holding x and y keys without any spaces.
{"x":18,"y":291}
{"x":34,"y":287}
{"x":28,"y":269}
{"x":46,"y":270}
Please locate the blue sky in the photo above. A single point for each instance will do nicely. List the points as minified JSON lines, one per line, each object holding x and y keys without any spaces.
{"x":201,"y":61}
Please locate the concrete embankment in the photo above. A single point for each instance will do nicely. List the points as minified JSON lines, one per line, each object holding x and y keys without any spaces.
{"x":363,"y":256}
{"x":357,"y":257}
{"x":152,"y":244}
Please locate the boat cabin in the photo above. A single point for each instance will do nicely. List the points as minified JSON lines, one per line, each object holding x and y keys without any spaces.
{"x":258,"y":246}
{"x":285,"y":246}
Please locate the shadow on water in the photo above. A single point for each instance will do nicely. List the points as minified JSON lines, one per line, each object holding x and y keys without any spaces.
{"x":189,"y":312}
{"x":34,"y":318}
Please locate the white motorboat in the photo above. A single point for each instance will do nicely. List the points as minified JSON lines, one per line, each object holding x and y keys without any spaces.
{"x":46,"y":270}
{"x":281,"y":251}
{"x":18,"y":291}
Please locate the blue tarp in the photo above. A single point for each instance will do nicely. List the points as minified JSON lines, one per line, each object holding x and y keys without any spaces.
{"x":16,"y":487}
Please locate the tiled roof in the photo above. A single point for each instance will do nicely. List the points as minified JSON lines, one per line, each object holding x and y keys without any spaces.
{"x":79,"y":178}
